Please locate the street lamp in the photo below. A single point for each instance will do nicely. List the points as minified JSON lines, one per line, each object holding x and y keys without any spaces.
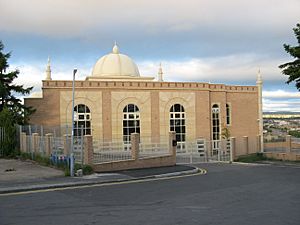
{"x":72,"y":136}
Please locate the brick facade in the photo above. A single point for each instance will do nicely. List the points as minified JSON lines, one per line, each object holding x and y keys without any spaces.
{"x":106,"y":100}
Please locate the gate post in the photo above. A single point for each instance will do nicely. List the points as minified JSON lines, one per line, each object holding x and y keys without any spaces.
{"x":258,"y":144}
{"x":23,"y":145}
{"x":135,"y":141}
{"x":49,"y":144}
{"x":172,"y":145}
{"x":232,"y":149}
{"x":35,"y":143}
{"x":288,"y":141}
{"x":88,"y":150}
{"x":67,"y":144}
{"x":245,"y":142}
{"x":172,"y":140}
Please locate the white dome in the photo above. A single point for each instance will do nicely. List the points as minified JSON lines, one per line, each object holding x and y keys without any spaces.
{"x":115,"y":65}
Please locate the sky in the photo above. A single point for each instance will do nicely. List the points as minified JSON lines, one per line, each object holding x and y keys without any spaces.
{"x":195,"y":40}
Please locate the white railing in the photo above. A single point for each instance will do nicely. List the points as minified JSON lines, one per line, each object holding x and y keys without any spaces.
{"x":148,"y":149}
{"x":58,"y":145}
{"x":110,"y":151}
{"x":204,"y":151}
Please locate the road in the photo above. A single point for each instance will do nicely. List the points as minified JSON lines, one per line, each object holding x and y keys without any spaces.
{"x":227,"y":194}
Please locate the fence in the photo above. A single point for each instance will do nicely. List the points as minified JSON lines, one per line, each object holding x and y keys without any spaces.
{"x":196,"y":151}
{"x":192,"y":152}
{"x":288,"y":144}
{"x":153,"y":148}
{"x":202,"y":150}
{"x":289,"y":149}
{"x":8,"y":141}
{"x":48,"y":145}
{"x":110,"y":151}
{"x":119,"y":151}
{"x":2,"y":136}
{"x":57,"y":141}
{"x":138,"y":153}
{"x":56,"y":131}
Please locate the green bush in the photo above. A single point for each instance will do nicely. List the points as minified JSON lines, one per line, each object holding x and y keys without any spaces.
{"x":67,"y":172}
{"x":86,"y":169}
{"x":294,"y":133}
{"x":251,"y":158}
{"x":25,"y":155}
{"x":42,"y":160}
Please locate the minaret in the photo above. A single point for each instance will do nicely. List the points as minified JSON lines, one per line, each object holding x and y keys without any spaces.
{"x":160,"y":73}
{"x":259,"y":84}
{"x":48,"y":70}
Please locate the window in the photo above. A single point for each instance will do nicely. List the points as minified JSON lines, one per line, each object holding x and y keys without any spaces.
{"x":228,"y":112}
{"x":131,"y":122}
{"x":177,"y":124}
{"x":82,"y":120}
{"x":215,"y":128}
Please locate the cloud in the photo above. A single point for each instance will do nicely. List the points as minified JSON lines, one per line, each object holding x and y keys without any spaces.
{"x":196,"y":40}
{"x":32,"y":75}
{"x":280,"y":100}
{"x":271,"y":106}
{"x":71,"y":18}
{"x":232,"y":68}
{"x":190,"y":70}
{"x":281,"y":94}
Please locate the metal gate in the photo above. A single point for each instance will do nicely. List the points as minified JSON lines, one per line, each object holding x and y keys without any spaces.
{"x":78,"y":149}
{"x":200,"y":151}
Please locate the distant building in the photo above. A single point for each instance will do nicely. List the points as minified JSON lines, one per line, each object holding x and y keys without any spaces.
{"x":286,"y":115}
{"x":115,"y":101}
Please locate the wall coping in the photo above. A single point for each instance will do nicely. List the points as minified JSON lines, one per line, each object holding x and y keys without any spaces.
{"x":146,"y":85}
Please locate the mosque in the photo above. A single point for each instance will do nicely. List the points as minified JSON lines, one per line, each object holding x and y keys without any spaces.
{"x":116,"y":100}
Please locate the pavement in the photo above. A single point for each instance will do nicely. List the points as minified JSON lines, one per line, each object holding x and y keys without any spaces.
{"x":27,"y":175}
{"x":20,"y":176}
{"x":237,"y":193}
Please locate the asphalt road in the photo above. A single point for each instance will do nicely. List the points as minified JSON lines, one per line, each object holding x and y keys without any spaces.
{"x":227,"y":194}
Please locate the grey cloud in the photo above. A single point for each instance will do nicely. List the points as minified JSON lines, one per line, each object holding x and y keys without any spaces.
{"x":69,"y":17}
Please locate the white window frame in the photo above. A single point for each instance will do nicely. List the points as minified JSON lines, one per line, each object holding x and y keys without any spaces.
{"x":82,"y":119}
{"x":178,"y":119}
{"x":130,"y":118}
{"x":215,"y":141}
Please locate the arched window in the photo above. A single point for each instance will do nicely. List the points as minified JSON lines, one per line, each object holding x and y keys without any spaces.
{"x":215,"y":128}
{"x":82,"y":120}
{"x":177,"y":124}
{"x":131,"y":122}
{"x":228,"y":112}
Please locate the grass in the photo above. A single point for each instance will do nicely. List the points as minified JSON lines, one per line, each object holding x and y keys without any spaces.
{"x":251,"y":158}
{"x":45,"y":161}
{"x":258,"y":157}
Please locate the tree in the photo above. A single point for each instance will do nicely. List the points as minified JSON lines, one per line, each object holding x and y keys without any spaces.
{"x":225,"y":132}
{"x":19,"y":111}
{"x":8,"y":142}
{"x":292,"y":69}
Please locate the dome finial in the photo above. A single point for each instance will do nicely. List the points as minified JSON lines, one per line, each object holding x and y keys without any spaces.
{"x":115,"y":49}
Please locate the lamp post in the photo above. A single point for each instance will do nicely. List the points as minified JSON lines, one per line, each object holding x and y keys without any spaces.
{"x":72,"y":136}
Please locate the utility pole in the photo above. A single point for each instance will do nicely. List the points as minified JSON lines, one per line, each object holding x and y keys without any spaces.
{"x":72,"y":136}
{"x":259,"y":84}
